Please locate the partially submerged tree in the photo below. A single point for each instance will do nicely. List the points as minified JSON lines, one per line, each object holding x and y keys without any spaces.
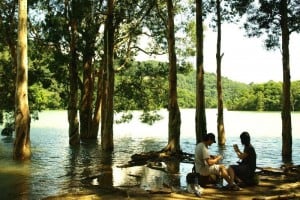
{"x":173,"y":108}
{"x":109,"y":75}
{"x":200,"y":121}
{"x":220,"y":119}
{"x":22,"y":149}
{"x":74,"y":138}
{"x":276,"y":20}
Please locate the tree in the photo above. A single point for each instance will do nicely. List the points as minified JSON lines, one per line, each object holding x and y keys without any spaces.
{"x":286,"y":86}
{"x":74,"y":138}
{"x":220,"y":120}
{"x":90,"y":31}
{"x":201,"y":129}
{"x":22,"y":115}
{"x":174,"y":112}
{"x":76,"y":25}
{"x":276,"y":20}
{"x":220,"y":11}
{"x":107,"y":106}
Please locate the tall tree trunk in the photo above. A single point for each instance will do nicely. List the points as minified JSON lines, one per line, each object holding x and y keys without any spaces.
{"x":22,"y":149}
{"x":220,"y":120}
{"x":97,"y":111}
{"x":86,"y":107}
{"x":174,"y":113}
{"x":286,"y":101}
{"x":108,"y":113}
{"x":73,"y":93}
{"x":200,"y":98}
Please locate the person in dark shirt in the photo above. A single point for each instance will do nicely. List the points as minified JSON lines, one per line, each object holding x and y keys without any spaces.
{"x":244,"y":173}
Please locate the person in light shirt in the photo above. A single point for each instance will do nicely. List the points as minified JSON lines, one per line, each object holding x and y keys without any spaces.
{"x":207,"y":165}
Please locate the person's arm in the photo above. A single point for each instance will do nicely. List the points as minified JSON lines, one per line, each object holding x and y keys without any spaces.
{"x":241,"y":155}
{"x":213,"y":160}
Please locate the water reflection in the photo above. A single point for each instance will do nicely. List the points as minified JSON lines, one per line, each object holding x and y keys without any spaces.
{"x":57,"y":168}
{"x":89,"y":166}
{"x":173,"y":175}
{"x":14,"y":175}
{"x":14,"y":182}
{"x":7,"y":139}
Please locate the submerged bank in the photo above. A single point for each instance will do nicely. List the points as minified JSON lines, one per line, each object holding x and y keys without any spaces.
{"x":274,"y":184}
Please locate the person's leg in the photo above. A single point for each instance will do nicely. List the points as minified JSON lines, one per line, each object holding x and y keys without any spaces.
{"x":224,"y":173}
{"x":231,"y":173}
{"x":229,"y":178}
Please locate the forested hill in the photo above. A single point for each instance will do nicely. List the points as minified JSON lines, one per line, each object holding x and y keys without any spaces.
{"x":237,"y":95}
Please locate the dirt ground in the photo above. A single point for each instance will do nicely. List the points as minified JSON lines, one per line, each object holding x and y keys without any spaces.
{"x":274,"y":184}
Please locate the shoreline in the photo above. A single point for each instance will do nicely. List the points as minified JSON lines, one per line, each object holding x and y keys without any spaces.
{"x":274,"y":184}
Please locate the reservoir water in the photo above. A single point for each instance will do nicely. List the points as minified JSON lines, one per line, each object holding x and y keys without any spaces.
{"x":57,"y":168}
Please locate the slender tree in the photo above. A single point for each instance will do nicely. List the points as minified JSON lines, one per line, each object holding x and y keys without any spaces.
{"x":107,"y":106}
{"x":286,"y":86}
{"x":22,"y":149}
{"x":220,"y":119}
{"x":90,"y":34}
{"x":200,"y":122}
{"x":174,"y":112}
{"x":220,"y":12}
{"x":73,"y":77}
{"x":276,"y":20}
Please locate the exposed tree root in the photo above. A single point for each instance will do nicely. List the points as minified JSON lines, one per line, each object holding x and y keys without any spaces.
{"x":157,"y":157}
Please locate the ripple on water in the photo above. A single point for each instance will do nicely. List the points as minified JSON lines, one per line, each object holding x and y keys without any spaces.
{"x":55,"y":167}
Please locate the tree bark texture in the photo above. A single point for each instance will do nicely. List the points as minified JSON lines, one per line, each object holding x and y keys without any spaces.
{"x":174,"y":112}
{"x":22,"y":149}
{"x":73,"y":91}
{"x":220,"y":120}
{"x":86,"y":109}
{"x":98,"y":104}
{"x":286,"y":87}
{"x":201,"y":129}
{"x":108,"y":113}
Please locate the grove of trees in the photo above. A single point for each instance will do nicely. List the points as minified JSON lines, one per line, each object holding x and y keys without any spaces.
{"x":81,"y":57}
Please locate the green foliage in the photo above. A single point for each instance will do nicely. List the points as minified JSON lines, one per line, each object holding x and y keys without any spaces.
{"x":237,"y":96}
{"x":139,"y":85}
{"x":295,"y":95}
{"x":265,"y":19}
{"x":150,"y":117}
{"x":42,"y":99}
{"x":143,"y":86}
{"x":6,"y":81}
{"x":270,"y":95}
{"x":125,"y":117}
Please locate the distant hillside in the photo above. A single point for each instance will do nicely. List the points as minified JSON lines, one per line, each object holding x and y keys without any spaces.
{"x":237,"y":95}
{"x":187,"y":89}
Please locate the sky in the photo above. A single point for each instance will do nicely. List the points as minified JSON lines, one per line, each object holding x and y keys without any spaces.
{"x":245,"y":59}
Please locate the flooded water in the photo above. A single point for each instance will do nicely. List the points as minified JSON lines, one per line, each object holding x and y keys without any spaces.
{"x":57,"y":168}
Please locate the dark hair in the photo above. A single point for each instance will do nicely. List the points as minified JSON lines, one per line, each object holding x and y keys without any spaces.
{"x":245,"y":138}
{"x":209,"y":136}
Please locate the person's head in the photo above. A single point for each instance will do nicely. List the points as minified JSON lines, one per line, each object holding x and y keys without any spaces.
{"x":245,"y":138}
{"x":209,"y":138}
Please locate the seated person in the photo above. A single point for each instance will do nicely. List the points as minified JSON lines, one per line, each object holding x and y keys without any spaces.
{"x":206,"y":164}
{"x":244,"y":173}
